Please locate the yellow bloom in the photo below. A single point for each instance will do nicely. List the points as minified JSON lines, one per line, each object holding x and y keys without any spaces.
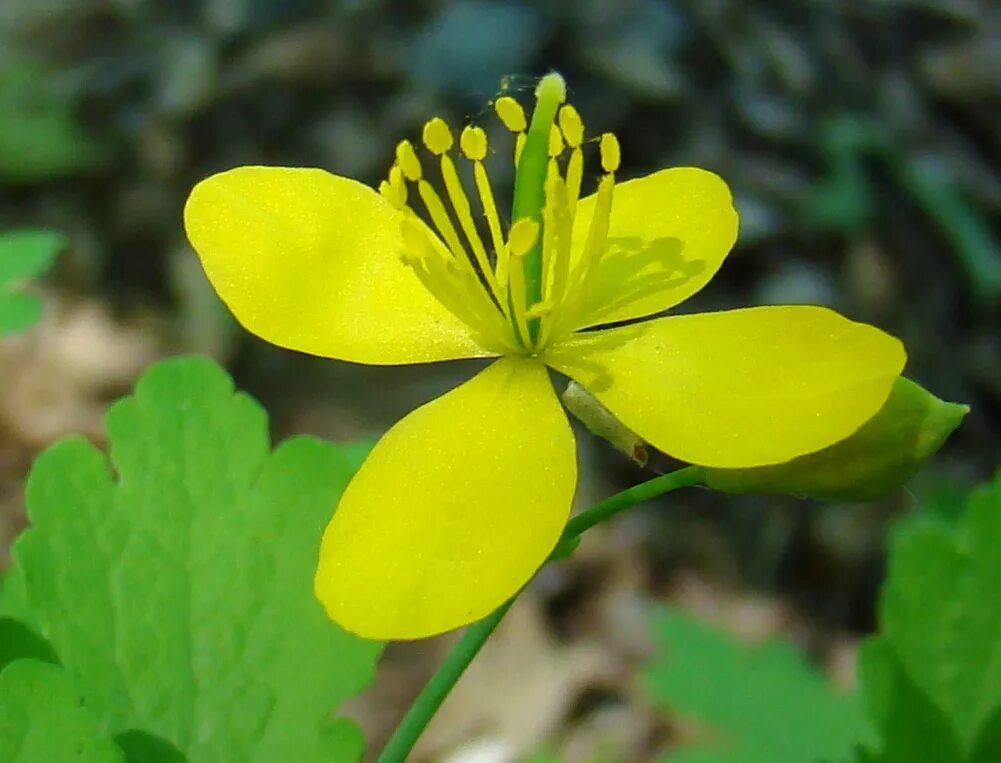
{"x":462,"y":500}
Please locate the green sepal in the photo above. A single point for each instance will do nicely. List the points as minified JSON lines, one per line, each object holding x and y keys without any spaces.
{"x":882,"y":455}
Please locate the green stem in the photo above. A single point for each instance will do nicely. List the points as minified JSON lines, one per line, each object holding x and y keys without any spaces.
{"x":530,"y":182}
{"x":468,"y":646}
{"x":600,"y":512}
{"x":438,"y":687}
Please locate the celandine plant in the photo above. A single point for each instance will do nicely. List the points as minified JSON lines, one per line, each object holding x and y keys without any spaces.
{"x":459,"y":504}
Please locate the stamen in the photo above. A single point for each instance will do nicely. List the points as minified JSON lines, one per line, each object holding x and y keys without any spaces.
{"x":558,"y":223}
{"x":455,"y":287}
{"x":575,"y":174}
{"x":473,"y":143}
{"x":394,"y":189}
{"x":581,"y":278}
{"x":437,"y":136}
{"x":438,"y":139}
{"x":609,"y":148}
{"x":511,"y":114}
{"x":549,"y":255}
{"x":460,"y":203}
{"x":572,"y":125}
{"x":597,"y":235}
{"x":519,"y":147}
{"x":528,"y":289}
{"x":521,"y":240}
{"x":406,"y":159}
{"x":522,"y":236}
{"x":420,"y":256}
{"x":573,"y":131}
{"x":556,"y":144}
{"x":439,"y":216}
{"x":539,"y":310}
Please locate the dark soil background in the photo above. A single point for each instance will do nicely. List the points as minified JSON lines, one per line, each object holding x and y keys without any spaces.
{"x":862,"y":141}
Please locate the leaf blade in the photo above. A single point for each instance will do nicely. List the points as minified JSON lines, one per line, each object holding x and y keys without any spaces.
{"x":202,"y":546}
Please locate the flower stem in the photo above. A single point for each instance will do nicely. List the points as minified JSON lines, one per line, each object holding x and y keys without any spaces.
{"x":438,"y":687}
{"x":665,"y":483}
{"x":468,"y":646}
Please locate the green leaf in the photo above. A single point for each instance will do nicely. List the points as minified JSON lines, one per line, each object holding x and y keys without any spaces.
{"x":913,"y":728}
{"x":42,"y":719}
{"x":19,"y":642}
{"x":965,"y":228}
{"x":27,"y":253}
{"x":40,"y":138}
{"x":883,"y":454}
{"x":140,"y":747}
{"x":765,"y":704}
{"x":844,"y":199}
{"x":179,"y":594}
{"x":24,"y":254}
{"x":18,"y":312}
{"x":987,"y":748}
{"x":940,"y":620}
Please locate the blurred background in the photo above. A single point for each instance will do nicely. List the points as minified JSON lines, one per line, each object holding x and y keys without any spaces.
{"x":862,"y":141}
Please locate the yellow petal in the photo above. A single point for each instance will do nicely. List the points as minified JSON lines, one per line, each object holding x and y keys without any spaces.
{"x":739,"y":388}
{"x":669,"y":233}
{"x":454,"y":509}
{"x":311,"y":261}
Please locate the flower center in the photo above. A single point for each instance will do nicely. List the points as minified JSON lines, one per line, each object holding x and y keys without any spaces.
{"x":518,"y":286}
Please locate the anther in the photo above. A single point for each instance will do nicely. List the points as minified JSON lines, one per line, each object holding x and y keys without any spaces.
{"x":556,"y":144}
{"x":407,"y":160}
{"x":609,"y":148}
{"x":511,"y":113}
{"x":414,"y":240}
{"x":521,"y":238}
{"x":473,"y":142}
{"x":539,"y":310}
{"x":387,"y":193}
{"x":572,"y":125}
{"x":437,"y":136}
{"x":393,"y":189}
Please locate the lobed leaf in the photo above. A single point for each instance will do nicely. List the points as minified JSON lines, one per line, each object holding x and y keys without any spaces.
{"x":43,"y":720}
{"x":940,"y":636}
{"x":176,"y":583}
{"x":24,"y":254}
{"x":764,"y":704}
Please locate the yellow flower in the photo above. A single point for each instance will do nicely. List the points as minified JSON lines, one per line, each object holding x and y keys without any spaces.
{"x":462,"y":500}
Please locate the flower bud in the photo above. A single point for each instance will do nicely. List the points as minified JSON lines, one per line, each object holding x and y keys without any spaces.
{"x":882,"y":455}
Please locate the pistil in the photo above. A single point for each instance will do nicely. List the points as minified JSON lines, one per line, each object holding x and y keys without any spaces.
{"x":530,"y":186}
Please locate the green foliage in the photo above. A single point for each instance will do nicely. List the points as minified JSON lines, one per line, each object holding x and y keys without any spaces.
{"x":963,"y":226}
{"x":883,"y":454}
{"x":764,"y":704}
{"x":19,"y":642}
{"x":932,"y":677}
{"x":845,"y":199}
{"x":42,"y":719}
{"x":175,"y":584}
{"x":40,"y":138}
{"x":24,"y":254}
